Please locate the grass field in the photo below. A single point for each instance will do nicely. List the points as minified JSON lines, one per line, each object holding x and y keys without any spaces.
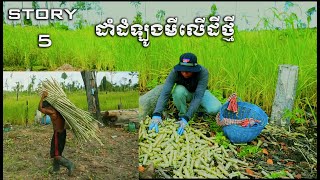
{"x":15,"y":111}
{"x":248,"y":66}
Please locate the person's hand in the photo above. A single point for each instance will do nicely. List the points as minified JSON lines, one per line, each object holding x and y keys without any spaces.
{"x":155,"y":122}
{"x":44,"y":94}
{"x":183,"y":123}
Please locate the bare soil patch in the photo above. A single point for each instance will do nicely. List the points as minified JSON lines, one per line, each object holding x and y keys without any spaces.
{"x":27,"y":154}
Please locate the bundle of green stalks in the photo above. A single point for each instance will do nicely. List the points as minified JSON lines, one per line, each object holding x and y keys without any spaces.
{"x":192,"y":155}
{"x":81,"y":123}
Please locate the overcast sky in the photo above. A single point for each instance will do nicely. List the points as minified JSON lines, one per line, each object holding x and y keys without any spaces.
{"x":186,"y":11}
{"x":24,"y":77}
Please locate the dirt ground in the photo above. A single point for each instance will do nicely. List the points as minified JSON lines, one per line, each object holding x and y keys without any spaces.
{"x":27,"y":154}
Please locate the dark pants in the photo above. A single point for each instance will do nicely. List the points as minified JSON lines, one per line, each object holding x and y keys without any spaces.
{"x":57,"y":143}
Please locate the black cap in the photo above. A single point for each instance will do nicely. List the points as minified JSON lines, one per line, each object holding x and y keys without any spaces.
{"x":188,"y":62}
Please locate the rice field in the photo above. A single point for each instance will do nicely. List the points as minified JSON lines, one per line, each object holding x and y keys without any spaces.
{"x":15,"y":112}
{"x":247,"y":66}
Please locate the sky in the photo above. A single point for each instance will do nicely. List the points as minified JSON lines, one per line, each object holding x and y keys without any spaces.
{"x":24,"y":77}
{"x":246,"y":13}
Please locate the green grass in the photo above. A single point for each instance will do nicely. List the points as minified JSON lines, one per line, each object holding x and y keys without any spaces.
{"x":14,"y":111}
{"x":248,"y":66}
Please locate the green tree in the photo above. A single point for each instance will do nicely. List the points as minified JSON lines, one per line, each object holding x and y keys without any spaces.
{"x":213,"y":12}
{"x":27,"y":21}
{"x":31,"y":85}
{"x":160,"y":16}
{"x":132,"y":74}
{"x":103,"y":84}
{"x":309,"y":13}
{"x":83,"y":6}
{"x":80,"y":22}
{"x":17,"y":89}
{"x":138,"y":16}
{"x":136,"y":4}
{"x":64,"y":76}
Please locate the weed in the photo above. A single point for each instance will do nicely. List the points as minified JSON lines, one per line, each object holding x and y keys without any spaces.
{"x":8,"y":142}
{"x":296,"y":116}
{"x":249,"y":150}
{"x":276,"y":175}
{"x":222,"y":140}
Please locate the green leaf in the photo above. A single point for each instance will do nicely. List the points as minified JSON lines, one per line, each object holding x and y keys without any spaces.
{"x":213,"y":10}
{"x":309,"y":19}
{"x":287,"y":5}
{"x":311,"y":11}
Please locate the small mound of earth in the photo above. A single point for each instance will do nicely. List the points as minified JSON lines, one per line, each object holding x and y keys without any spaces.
{"x":66,"y":67}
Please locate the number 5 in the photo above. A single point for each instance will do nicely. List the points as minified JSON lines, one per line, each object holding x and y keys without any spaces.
{"x":44,"y":38}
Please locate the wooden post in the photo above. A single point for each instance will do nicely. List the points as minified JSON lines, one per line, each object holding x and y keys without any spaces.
{"x":27,"y":113}
{"x":285,"y":94}
{"x":90,"y":84}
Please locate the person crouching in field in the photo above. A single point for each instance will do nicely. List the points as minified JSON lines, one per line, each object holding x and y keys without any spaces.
{"x":191,"y":83}
{"x":59,"y":136}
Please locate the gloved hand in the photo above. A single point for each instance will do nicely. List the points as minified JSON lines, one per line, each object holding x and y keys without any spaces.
{"x":155,"y":122}
{"x":183,"y":123}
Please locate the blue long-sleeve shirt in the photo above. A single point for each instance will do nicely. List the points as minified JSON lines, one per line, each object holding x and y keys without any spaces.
{"x":196,"y":84}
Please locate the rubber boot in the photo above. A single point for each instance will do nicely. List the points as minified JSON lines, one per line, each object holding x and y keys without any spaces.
{"x":68,"y":164}
{"x":55,"y":166}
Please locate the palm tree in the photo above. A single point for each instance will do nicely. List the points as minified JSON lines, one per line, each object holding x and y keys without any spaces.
{"x":309,"y":13}
{"x":160,"y":15}
{"x":136,"y":4}
{"x":138,"y":17}
{"x":63,"y":3}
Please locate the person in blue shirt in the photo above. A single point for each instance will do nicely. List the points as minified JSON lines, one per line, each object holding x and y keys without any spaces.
{"x":187,"y":82}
